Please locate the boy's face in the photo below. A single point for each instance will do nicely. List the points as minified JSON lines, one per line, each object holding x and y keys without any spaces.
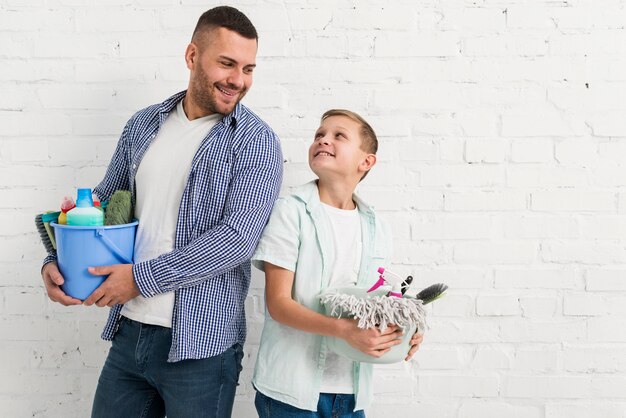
{"x":336,"y":149}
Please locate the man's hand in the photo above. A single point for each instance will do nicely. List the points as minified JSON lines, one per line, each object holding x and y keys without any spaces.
{"x":118,"y":288}
{"x":416,"y":340}
{"x":372,"y":341}
{"x":53,"y":280}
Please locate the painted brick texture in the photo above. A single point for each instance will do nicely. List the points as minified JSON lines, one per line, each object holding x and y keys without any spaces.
{"x":502,"y":169}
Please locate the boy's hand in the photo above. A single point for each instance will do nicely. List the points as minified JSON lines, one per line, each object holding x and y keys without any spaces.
{"x":371,"y":341}
{"x":416,"y":340}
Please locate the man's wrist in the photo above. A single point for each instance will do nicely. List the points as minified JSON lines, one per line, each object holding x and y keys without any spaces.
{"x":45,"y":263}
{"x":144,"y":280}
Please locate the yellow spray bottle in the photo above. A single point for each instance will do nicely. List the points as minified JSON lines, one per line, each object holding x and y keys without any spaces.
{"x":66,"y":205}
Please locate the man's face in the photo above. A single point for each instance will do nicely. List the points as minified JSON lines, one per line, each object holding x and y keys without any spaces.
{"x":221,"y":63}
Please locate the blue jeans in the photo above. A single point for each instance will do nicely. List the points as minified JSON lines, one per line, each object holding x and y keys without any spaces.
{"x":330,"y":405}
{"x":138,"y":382}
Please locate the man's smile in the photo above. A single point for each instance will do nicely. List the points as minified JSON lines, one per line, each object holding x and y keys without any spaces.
{"x":227,"y":92}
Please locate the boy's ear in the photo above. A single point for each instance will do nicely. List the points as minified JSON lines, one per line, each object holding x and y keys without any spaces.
{"x":367,"y":163}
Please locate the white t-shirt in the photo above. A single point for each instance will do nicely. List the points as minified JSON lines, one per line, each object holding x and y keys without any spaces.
{"x":338,"y":374}
{"x":160,"y":182}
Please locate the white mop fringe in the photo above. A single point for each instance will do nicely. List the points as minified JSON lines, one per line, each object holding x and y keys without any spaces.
{"x":377,"y":311}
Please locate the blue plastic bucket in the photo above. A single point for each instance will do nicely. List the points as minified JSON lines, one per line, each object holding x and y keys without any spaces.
{"x":80,"y":247}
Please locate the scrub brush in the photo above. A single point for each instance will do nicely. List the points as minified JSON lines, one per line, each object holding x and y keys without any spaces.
{"x":432,"y":293}
{"x":119,"y":209}
{"x":42,"y":222}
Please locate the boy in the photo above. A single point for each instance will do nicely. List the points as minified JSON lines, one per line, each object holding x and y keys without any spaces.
{"x":321,"y":236}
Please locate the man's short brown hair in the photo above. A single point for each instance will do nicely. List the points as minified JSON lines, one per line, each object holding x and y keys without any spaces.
{"x":226,"y":17}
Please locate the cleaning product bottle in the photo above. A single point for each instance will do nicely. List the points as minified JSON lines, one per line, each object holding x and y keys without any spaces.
{"x":85,"y":214}
{"x":96,"y":202}
{"x":66,"y":205}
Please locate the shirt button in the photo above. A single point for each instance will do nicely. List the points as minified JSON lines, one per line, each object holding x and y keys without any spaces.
{"x":134,"y":166}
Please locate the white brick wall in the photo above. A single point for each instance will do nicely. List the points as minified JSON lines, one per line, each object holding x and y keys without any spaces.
{"x":502,"y":170}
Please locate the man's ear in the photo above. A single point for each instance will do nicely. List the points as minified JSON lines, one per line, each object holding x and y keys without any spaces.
{"x":191,"y":55}
{"x":368,"y":162}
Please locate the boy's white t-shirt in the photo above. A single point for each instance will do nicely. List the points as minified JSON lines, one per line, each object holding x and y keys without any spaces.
{"x":160,"y":182}
{"x":338,"y":374}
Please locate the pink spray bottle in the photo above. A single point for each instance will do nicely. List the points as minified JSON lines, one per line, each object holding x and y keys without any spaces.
{"x":398,"y":284}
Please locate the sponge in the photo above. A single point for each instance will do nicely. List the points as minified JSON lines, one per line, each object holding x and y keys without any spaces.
{"x":119,"y":209}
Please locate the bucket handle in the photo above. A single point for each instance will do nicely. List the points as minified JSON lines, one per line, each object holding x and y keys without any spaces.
{"x":114,"y":248}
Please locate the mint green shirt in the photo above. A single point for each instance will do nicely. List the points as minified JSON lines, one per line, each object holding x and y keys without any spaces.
{"x":298,"y":237}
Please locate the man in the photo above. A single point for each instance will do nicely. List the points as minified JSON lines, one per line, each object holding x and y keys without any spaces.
{"x":204,"y":172}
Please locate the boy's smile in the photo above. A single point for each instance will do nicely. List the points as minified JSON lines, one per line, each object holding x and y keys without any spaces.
{"x":323,"y":154}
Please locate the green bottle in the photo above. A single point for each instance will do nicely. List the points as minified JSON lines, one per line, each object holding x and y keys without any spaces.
{"x":85,"y":214}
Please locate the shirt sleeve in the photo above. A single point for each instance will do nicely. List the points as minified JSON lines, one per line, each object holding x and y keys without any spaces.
{"x":117,"y":174}
{"x":280,"y":242}
{"x":52,"y":257}
{"x":257,"y":176}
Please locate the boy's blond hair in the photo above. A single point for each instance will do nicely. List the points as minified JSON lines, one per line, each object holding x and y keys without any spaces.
{"x":369,"y":141}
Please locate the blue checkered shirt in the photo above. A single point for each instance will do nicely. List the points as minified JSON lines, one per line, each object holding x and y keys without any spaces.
{"x":234,"y":180}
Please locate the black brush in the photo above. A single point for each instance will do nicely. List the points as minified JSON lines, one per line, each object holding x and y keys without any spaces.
{"x":406,"y":284}
{"x":431,"y":293}
{"x":43,"y":234}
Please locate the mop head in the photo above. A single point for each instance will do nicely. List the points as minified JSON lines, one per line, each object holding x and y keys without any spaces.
{"x":119,"y":210}
{"x":377,"y":311}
